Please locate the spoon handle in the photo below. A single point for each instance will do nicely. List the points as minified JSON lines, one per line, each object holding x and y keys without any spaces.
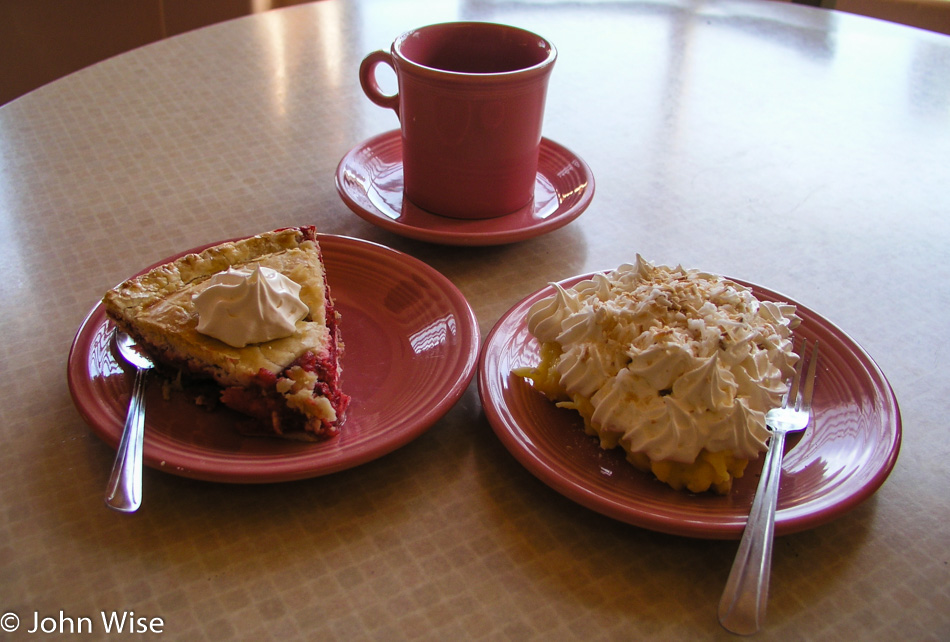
{"x":124,"y":490}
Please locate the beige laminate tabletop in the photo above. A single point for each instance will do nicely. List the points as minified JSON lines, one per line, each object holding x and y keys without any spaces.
{"x":800,"y":149}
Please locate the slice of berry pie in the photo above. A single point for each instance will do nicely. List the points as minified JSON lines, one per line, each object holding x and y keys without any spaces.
{"x":254,"y":316}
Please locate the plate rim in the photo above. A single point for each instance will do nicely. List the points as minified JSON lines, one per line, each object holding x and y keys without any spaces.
{"x":268,"y":468}
{"x":466,"y":237}
{"x":788,"y":520}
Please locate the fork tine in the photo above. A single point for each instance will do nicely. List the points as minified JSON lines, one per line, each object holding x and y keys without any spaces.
{"x":810,"y":379}
{"x":792,"y":393}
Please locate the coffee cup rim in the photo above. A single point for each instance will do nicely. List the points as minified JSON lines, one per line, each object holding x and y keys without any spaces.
{"x":539,"y":67}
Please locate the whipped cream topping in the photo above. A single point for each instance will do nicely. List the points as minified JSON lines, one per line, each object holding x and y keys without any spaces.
{"x":672,"y":360}
{"x":249,"y":305}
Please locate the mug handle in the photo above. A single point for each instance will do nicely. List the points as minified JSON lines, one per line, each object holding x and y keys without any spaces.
{"x":371,"y":86}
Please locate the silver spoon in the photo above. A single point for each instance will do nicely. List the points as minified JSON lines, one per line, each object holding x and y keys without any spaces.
{"x":124,"y":490}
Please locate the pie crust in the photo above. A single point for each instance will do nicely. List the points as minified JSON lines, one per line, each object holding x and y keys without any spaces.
{"x":291,"y":384}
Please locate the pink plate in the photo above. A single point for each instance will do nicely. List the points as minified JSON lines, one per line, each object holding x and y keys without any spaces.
{"x":411,"y":349}
{"x":843,"y":457}
{"x":369,"y":179}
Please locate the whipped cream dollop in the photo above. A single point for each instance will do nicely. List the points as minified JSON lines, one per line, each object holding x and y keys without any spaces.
{"x":671,"y":360}
{"x":249,"y":305}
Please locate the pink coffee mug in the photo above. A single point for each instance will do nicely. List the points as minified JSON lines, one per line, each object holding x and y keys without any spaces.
{"x":470,"y":102}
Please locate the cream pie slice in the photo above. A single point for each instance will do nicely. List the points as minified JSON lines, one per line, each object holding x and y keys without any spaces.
{"x":254,"y":316}
{"x":677,"y":367}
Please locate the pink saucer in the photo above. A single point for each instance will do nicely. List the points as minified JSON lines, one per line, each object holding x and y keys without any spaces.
{"x":841,"y":459}
{"x":411,"y":350}
{"x":369,"y":179}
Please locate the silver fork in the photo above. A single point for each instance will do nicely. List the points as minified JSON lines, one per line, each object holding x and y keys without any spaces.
{"x":742,"y":607}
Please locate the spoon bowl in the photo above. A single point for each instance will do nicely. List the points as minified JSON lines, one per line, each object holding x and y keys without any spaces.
{"x":131,"y":352}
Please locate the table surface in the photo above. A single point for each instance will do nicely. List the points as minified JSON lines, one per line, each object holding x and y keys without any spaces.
{"x":800,"y":149}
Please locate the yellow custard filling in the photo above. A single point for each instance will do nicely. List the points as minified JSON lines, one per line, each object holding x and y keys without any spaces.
{"x":710,"y":470}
